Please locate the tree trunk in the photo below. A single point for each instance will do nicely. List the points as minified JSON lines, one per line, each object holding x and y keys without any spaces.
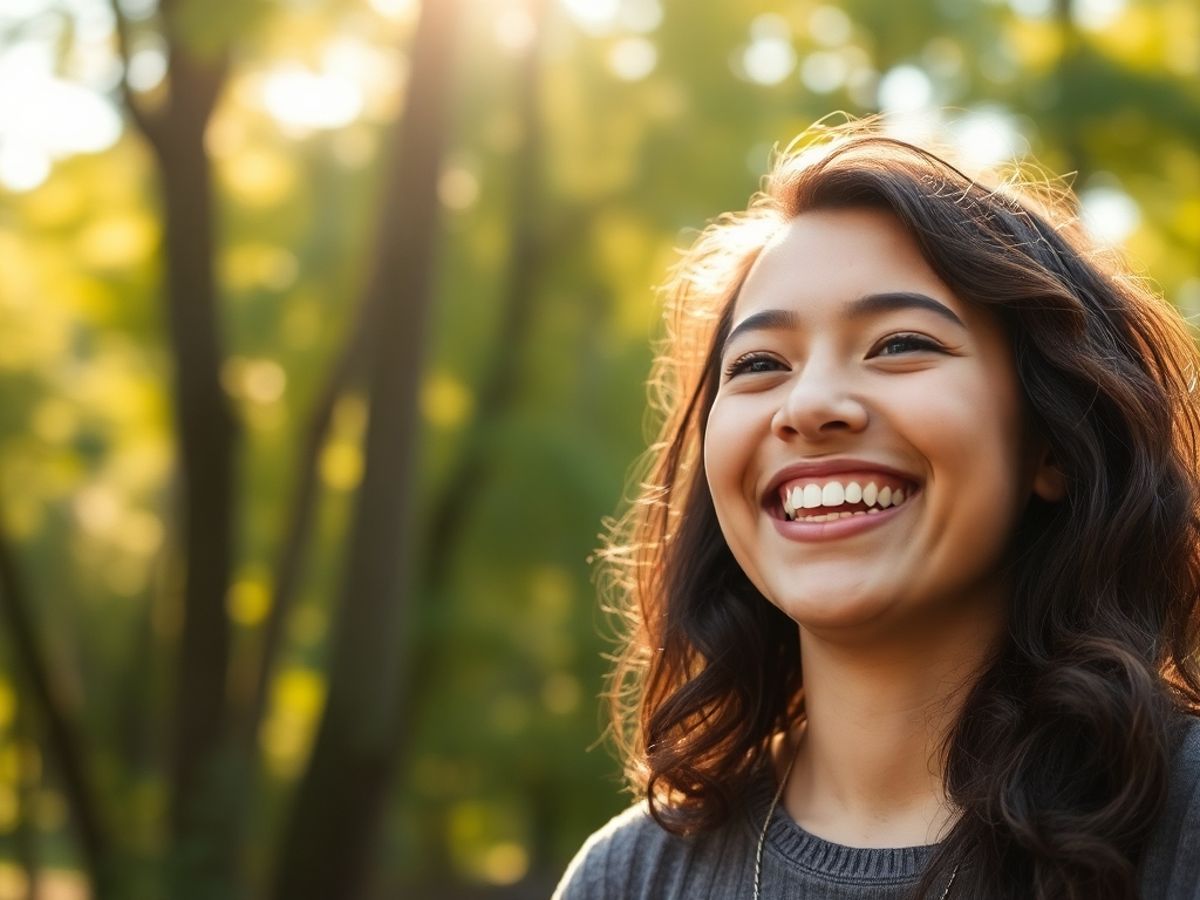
{"x":339,"y":803}
{"x":206,"y":435}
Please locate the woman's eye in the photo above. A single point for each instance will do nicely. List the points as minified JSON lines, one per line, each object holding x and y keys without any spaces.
{"x":751,"y":363}
{"x":906,"y":343}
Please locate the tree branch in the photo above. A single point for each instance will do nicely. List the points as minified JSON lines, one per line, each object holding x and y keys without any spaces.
{"x":147,"y":123}
{"x":342,"y":374}
{"x":499,"y":384}
{"x":62,"y":739}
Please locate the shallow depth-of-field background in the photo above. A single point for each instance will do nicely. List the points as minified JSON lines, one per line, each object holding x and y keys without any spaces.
{"x":323,"y":330}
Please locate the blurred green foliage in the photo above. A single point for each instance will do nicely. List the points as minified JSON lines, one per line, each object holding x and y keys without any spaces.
{"x":653,"y":117}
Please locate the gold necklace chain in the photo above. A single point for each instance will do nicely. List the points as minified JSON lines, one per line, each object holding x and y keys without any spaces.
{"x":762,"y":837}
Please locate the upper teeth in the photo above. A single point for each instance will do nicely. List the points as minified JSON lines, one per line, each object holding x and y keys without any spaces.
{"x":834,"y":493}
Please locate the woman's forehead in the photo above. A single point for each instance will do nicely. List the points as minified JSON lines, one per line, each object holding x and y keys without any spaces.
{"x":823,"y":259}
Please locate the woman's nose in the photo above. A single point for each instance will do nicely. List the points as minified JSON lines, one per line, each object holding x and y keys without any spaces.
{"x":818,"y":405}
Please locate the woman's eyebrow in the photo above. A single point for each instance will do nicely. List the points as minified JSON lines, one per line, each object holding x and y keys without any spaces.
{"x":870,"y":305}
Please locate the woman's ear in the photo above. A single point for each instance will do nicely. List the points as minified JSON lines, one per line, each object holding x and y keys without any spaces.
{"x":1049,"y":482}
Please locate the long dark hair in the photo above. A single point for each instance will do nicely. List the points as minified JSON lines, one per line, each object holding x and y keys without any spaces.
{"x":1059,"y":759}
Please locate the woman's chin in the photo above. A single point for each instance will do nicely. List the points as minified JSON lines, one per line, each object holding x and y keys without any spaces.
{"x":833,"y":607}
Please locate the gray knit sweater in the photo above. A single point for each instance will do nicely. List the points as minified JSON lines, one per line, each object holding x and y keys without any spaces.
{"x":632,"y":857}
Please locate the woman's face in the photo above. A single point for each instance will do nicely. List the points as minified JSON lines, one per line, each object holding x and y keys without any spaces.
{"x":866,"y":451}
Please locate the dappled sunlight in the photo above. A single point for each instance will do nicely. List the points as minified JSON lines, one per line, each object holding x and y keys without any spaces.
{"x":49,"y":118}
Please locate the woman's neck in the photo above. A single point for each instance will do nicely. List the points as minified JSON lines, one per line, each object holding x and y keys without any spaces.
{"x":868,"y":770}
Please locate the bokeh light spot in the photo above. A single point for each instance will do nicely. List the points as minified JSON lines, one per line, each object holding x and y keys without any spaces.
{"x":118,"y":241}
{"x":1096,"y":15}
{"x":1109,"y":214}
{"x":23,"y":166}
{"x":311,"y":100}
{"x":263,"y":381}
{"x":249,"y":598}
{"x":595,"y":16}
{"x":985,"y":137}
{"x":824,"y":71}
{"x":97,"y":508}
{"x":138,"y":9}
{"x":829,"y":26}
{"x":341,"y":465}
{"x":297,"y":698}
{"x":1033,"y":9}
{"x":632,"y":58}
{"x":147,"y":67}
{"x":642,"y":16}
{"x":400,"y":10}
{"x":505,"y":863}
{"x":514,"y":28}
{"x":458,"y":188}
{"x":259,"y":178}
{"x":905,"y":89}
{"x":769,"y":61}
{"x":445,"y":401}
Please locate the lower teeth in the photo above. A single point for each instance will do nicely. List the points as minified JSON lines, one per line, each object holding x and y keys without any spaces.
{"x":827,"y":517}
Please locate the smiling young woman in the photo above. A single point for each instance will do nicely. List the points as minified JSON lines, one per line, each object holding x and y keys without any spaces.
{"x":913,"y":586}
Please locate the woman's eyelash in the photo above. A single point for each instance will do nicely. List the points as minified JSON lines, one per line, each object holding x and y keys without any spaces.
{"x":743,"y":363}
{"x":918,"y":341}
{"x":913,"y":341}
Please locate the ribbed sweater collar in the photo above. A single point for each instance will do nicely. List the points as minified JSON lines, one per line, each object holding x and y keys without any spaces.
{"x":809,"y":853}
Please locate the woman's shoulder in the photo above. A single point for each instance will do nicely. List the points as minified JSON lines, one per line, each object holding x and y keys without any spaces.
{"x":1168,"y":872}
{"x":603,"y":865}
{"x":1184,"y":788}
{"x":632,"y":856}
{"x":1188,"y":753}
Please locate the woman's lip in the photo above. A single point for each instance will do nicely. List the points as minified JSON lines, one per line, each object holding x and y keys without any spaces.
{"x":837,"y":528}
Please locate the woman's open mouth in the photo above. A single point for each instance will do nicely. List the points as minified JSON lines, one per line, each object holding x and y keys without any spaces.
{"x":827,"y":499}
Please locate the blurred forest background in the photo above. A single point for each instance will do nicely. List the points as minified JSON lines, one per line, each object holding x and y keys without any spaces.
{"x":323,"y":333}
